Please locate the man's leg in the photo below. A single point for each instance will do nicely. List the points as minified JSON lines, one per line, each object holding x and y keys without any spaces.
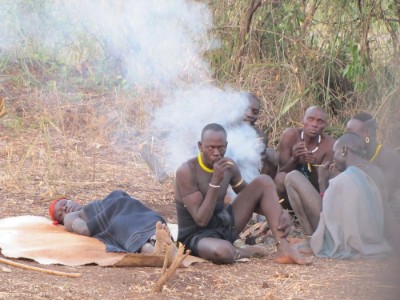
{"x":223,"y":252}
{"x":260,"y":196}
{"x":217,"y":250}
{"x":279,"y":181}
{"x":305,"y":201}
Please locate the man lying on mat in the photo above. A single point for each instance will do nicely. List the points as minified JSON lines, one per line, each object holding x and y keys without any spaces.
{"x":121,"y":222}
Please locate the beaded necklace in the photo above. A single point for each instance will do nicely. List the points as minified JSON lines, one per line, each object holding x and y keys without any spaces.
{"x":202,"y":165}
{"x":319,"y":141}
{"x":376,"y":153}
{"x":312,"y":151}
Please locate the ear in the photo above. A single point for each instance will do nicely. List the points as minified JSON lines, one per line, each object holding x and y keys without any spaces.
{"x":199,"y":144}
{"x":344,"y":151}
{"x":370,"y":128}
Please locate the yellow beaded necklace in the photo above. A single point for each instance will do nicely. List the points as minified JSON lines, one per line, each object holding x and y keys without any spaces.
{"x":378,"y":149}
{"x":202,"y":165}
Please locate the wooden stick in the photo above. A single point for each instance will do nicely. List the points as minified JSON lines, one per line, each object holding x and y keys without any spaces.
{"x":321,"y":165}
{"x":26,"y":267}
{"x":171,"y":270}
{"x":166,"y":258}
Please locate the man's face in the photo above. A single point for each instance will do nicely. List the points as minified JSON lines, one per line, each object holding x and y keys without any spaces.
{"x":213,"y":146}
{"x":338,"y":158}
{"x":253,"y":111}
{"x":64,"y":207}
{"x":314,"y":122}
{"x":356,"y":126}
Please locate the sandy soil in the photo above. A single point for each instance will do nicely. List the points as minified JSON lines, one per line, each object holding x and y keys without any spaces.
{"x":41,"y":160}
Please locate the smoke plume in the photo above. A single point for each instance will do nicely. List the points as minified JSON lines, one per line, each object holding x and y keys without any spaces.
{"x":159,"y":45}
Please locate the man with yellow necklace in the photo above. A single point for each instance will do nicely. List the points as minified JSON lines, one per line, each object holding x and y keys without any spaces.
{"x":206,"y":226}
{"x":388,"y":160}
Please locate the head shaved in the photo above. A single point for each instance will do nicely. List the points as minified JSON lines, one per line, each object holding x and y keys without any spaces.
{"x":312,"y":108}
{"x":214,"y":127}
{"x":353,"y":142}
{"x":315,"y":108}
{"x":368,"y":122}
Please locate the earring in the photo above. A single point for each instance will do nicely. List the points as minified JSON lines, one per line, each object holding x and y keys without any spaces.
{"x":344,"y":151}
{"x":367,"y":140}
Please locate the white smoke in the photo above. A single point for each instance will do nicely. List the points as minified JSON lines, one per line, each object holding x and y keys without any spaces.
{"x":160,"y":45}
{"x":158,"y":42}
{"x":186,"y":112}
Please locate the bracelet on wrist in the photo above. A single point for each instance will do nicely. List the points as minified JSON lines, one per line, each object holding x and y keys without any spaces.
{"x":214,"y":186}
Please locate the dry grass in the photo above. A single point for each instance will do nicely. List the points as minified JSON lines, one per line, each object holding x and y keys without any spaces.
{"x":51,"y":146}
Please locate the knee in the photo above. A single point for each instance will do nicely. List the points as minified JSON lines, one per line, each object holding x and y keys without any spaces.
{"x":224,"y":255}
{"x":265,"y":181}
{"x":280,"y":181}
{"x":292,"y":177}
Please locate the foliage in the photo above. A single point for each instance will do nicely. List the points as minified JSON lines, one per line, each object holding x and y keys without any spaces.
{"x":342,"y":55}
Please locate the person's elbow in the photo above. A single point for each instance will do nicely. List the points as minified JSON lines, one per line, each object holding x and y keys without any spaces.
{"x":201,"y":221}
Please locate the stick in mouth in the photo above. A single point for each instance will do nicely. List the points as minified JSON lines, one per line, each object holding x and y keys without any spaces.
{"x":229,"y":162}
{"x":321,"y":165}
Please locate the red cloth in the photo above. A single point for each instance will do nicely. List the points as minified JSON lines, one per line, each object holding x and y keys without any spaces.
{"x":51,"y":209}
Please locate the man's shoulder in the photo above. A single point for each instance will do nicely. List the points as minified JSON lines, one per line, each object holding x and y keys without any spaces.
{"x":186,"y":167}
{"x":328,"y":139}
{"x":393,"y":154}
{"x":290,"y":134}
{"x":388,"y":159}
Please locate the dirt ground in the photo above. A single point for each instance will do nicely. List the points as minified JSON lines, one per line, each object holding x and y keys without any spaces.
{"x":41,"y":158}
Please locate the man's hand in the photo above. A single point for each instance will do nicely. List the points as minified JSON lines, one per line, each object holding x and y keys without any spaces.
{"x":284,"y":223}
{"x":298,"y":150}
{"x":310,"y":157}
{"x":324,"y":172}
{"x":220,"y":167}
{"x":70,"y":218}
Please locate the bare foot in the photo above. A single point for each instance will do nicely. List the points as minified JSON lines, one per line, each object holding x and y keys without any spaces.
{"x":303,"y":247}
{"x":252,"y":251}
{"x":287,"y":255}
{"x":163,"y":240}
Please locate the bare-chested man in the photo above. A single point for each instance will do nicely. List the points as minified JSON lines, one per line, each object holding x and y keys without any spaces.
{"x":388,"y":160}
{"x":349,"y":219}
{"x":304,"y":149}
{"x":269,"y":157}
{"x":206,"y":226}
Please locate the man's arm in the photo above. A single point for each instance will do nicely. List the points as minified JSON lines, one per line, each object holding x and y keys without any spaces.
{"x":200,"y":207}
{"x":73,"y":222}
{"x":289,"y":151}
{"x":323,"y":177}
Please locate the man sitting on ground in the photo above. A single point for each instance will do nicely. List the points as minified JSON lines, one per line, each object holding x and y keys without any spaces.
{"x":304,"y":149}
{"x":269,"y":157}
{"x":121,"y":222}
{"x":347,"y":219}
{"x":208,"y":228}
{"x":388,"y":160}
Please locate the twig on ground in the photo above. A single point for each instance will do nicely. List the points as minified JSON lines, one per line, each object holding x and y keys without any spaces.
{"x":171,"y":270}
{"x":166,"y":258}
{"x":26,"y":267}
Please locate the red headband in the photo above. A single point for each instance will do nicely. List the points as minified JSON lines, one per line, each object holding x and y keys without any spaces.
{"x":51,"y":209}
